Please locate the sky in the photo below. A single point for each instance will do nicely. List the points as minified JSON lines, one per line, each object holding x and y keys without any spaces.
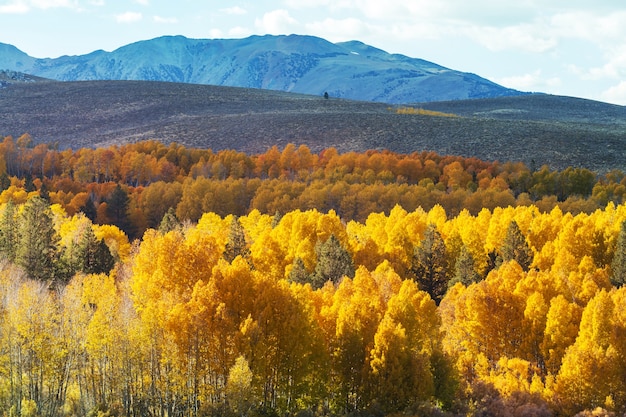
{"x":565,"y":47}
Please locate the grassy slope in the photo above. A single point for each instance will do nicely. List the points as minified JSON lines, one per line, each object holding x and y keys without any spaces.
{"x":554,"y":130}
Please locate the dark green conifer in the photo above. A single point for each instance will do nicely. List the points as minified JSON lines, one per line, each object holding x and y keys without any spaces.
{"x":298,"y":272}
{"x":333,"y":263}
{"x":8,"y":231}
{"x":236,"y":244}
{"x":430,"y":264}
{"x":117,"y":209}
{"x":37,"y":247}
{"x":169,"y":221}
{"x":618,"y":266}
{"x":464,"y":269}
{"x":516,"y":248}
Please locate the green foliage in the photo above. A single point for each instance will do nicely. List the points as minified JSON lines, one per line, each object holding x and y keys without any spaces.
{"x":333,"y":263}
{"x":430,"y":264}
{"x":618,"y":265}
{"x":236,"y":244}
{"x":464,"y":269}
{"x":9,"y":232}
{"x":37,"y":248}
{"x":515,"y":247}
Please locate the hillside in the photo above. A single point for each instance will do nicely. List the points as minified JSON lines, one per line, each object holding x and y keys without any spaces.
{"x":558,"y":131}
{"x":300,"y":64}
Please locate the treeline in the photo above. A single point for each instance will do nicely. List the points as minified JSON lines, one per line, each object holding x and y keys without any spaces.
{"x":509,"y":312}
{"x":154,"y":178}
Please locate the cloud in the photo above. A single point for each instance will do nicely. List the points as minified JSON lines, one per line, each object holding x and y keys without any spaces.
{"x":164,"y":20}
{"x":341,"y":29}
{"x":143,"y":2}
{"x":236,"y":10}
{"x":534,"y":81}
{"x":615,"y":94}
{"x":128,"y":17}
{"x":25,"y":6}
{"x":276,"y":22}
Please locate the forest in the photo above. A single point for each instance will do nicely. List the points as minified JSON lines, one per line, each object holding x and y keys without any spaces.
{"x":165,"y":281}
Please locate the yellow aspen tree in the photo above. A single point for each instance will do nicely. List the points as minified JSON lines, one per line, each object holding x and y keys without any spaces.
{"x":587,"y":376}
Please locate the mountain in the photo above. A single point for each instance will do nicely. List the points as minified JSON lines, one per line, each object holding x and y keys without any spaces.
{"x":536,"y":128}
{"x":299,"y":64}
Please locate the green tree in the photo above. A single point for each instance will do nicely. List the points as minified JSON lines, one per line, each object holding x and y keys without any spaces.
{"x":298,"y":272}
{"x":37,"y":248}
{"x":464,"y":269}
{"x":117,"y":209}
{"x":94,"y":256}
{"x":515,"y":247}
{"x":618,"y":266}
{"x":169,"y":221}
{"x":236,"y":244}
{"x":430,"y":264}
{"x":333,"y":263}
{"x":89,"y":210}
{"x":8,"y":231}
{"x":5,"y":181}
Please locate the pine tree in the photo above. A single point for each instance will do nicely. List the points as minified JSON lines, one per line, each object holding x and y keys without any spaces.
{"x":8,"y":232}
{"x":464,"y":269}
{"x":333,"y":263}
{"x":169,"y":221}
{"x":618,"y":266}
{"x":37,"y":247}
{"x":93,"y":255}
{"x":117,"y":209}
{"x":89,"y":210}
{"x":516,"y":248}
{"x":298,"y":272}
{"x":430,"y":264}
{"x":5,"y":181}
{"x":236,"y":245}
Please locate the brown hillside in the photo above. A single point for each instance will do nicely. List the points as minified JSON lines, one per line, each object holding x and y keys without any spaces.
{"x":557,"y":131}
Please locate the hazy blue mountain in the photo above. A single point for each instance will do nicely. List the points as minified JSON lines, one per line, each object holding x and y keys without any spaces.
{"x":302,"y":64}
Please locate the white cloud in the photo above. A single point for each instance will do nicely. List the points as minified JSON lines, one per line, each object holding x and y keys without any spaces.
{"x":236,"y":10}
{"x":276,"y":22}
{"x":128,"y":17}
{"x":25,"y":6}
{"x":341,"y":29}
{"x":164,"y":20}
{"x":143,"y":2}
{"x":615,"y":94}
{"x":534,"y":81}
{"x":524,"y":37}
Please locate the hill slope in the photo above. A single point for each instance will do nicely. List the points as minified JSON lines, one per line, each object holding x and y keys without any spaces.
{"x":101,"y":113}
{"x":300,"y":64}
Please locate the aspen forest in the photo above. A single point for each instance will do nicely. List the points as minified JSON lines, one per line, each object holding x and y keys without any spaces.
{"x":158,"y":280}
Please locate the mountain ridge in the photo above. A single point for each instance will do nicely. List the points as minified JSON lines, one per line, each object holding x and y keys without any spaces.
{"x":291,"y":63}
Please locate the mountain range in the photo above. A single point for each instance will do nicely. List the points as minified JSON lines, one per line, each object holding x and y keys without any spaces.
{"x":294,"y":63}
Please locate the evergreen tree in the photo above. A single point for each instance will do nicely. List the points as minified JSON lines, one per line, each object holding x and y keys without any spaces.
{"x":298,"y":272}
{"x":37,"y":247}
{"x":618,"y":266}
{"x":333,"y":263}
{"x":5,"y":181}
{"x":94,"y":256}
{"x":236,"y":245}
{"x":464,"y":269}
{"x":89,"y":210}
{"x":8,"y":231}
{"x":44,"y":193}
{"x":29,"y":186}
{"x":430,"y":264}
{"x":117,"y":209}
{"x":516,"y":248}
{"x":169,"y":221}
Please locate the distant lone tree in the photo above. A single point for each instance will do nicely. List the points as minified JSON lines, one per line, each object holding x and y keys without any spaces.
{"x":326,"y":95}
